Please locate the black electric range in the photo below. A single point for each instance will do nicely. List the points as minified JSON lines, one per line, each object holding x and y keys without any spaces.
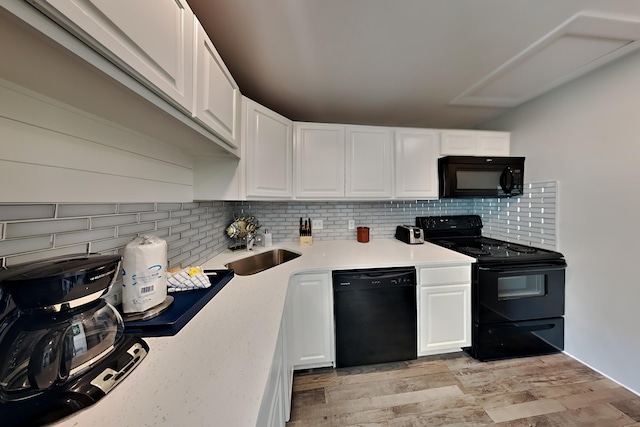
{"x":517,"y":291}
{"x":463,"y":233}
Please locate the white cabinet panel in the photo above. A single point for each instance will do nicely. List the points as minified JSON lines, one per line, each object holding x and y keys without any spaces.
{"x":217,"y":97}
{"x":320,"y":157}
{"x":494,"y":144}
{"x":474,"y":143}
{"x":444,"y":308}
{"x":269,"y":153}
{"x":416,"y":163}
{"x":445,"y":318}
{"x":334,"y":161}
{"x":159,"y":52}
{"x":368,"y":162}
{"x":312,"y":314}
{"x":445,"y":275}
{"x":272,"y":408}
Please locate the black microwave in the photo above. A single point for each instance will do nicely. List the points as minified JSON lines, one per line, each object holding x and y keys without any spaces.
{"x":471,"y":176}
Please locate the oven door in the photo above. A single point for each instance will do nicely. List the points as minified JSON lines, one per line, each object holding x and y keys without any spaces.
{"x":509,"y":293}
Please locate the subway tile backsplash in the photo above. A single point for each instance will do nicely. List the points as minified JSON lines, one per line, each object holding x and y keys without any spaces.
{"x":195,"y":232}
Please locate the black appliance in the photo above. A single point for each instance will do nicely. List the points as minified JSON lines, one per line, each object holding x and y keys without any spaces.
{"x":62,"y":347}
{"x":375,"y":315}
{"x":517,"y":291}
{"x":470,"y":176}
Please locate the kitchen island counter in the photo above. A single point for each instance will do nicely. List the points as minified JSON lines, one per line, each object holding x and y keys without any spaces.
{"x":215,"y":370}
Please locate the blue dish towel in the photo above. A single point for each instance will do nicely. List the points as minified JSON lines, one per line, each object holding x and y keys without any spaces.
{"x":187,"y":279}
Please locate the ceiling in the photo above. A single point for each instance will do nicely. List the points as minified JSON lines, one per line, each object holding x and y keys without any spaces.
{"x":422,"y":63}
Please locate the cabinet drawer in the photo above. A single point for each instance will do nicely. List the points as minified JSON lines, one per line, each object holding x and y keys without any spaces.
{"x":444,"y":275}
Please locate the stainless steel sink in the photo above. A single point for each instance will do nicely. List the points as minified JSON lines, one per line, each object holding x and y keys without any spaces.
{"x":260,"y":262}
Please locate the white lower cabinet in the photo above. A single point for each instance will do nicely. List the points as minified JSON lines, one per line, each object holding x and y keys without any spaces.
{"x":444,"y":309}
{"x":311,"y":305}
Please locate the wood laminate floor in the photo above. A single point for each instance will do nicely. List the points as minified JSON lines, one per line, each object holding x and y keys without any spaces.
{"x":456,"y":390}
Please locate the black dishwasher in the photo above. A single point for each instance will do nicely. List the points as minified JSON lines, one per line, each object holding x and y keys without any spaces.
{"x":375,"y":315}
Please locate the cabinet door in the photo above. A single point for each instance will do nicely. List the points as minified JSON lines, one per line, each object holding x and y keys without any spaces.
{"x":269,"y":153}
{"x":494,"y":143}
{"x":368,"y":163}
{"x":458,"y":143}
{"x":312,"y":322}
{"x":217,"y":97}
{"x":444,"y":315}
{"x":416,"y":164}
{"x":474,"y":143}
{"x":320,"y":153}
{"x":152,"y":39}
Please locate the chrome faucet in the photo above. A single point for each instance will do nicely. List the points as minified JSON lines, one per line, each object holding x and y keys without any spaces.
{"x":250,"y":240}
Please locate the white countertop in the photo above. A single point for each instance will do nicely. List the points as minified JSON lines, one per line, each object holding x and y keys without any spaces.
{"x":214,"y":371}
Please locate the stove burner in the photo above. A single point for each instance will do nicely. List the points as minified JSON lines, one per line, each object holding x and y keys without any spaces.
{"x":472,"y":251}
{"x":487,"y":241}
{"x":445,"y":243}
{"x":522,"y":249}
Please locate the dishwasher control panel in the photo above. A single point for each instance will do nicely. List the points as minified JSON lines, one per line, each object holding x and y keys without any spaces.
{"x":373,"y":278}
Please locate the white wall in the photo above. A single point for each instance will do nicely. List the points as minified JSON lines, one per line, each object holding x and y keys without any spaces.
{"x":586,"y":136}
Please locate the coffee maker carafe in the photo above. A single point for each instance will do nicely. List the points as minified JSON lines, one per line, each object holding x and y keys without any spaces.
{"x":62,"y":348}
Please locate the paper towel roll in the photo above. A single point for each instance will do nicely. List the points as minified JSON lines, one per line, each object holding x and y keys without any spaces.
{"x":144,"y":274}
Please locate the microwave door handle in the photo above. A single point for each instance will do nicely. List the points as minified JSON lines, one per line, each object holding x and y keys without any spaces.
{"x":507,"y":181}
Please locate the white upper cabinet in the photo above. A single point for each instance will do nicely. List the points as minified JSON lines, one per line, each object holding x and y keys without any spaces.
{"x":338,"y":161}
{"x":416,"y":163}
{"x":268,"y":153}
{"x":162,"y":45}
{"x":152,"y":39}
{"x":319,"y":160}
{"x":217,"y":97}
{"x":474,"y":143}
{"x":369,"y":162}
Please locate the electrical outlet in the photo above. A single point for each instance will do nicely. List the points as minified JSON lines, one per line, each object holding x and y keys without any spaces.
{"x":352,"y":224}
{"x":316,"y":224}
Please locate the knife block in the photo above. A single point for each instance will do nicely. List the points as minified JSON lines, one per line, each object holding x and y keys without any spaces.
{"x":306,"y":240}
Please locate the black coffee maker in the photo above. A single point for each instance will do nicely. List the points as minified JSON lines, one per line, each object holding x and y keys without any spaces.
{"x":62,"y":347}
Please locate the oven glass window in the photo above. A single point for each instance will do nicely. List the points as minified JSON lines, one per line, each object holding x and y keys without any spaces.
{"x":526,"y":286}
{"x":477,"y":180}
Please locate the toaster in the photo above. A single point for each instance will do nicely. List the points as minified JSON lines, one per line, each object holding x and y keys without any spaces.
{"x":410,"y":234}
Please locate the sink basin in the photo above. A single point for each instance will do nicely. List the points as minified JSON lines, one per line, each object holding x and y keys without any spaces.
{"x":260,"y":262}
